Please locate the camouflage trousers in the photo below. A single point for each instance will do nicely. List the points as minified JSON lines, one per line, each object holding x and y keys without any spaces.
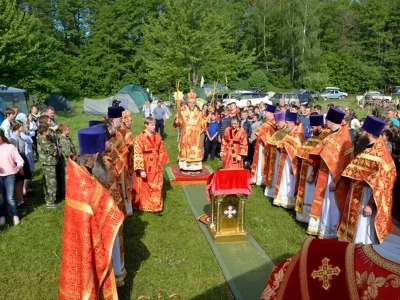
{"x":49,"y":183}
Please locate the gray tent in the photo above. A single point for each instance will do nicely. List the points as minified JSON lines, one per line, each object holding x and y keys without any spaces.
{"x":100,"y":106}
{"x":13,"y":97}
{"x":132,"y":98}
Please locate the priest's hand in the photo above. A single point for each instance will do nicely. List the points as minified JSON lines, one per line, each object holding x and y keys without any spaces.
{"x":367,"y":210}
{"x":310,"y":179}
{"x":332,"y":186}
{"x":238,"y":158}
{"x":143,"y":174}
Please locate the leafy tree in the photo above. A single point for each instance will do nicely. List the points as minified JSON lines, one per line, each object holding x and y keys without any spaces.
{"x":189,"y":39}
{"x":17,"y":41}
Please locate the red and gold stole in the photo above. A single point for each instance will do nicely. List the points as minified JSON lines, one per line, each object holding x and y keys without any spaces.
{"x":275,"y":139}
{"x":375,"y":167}
{"x":114,"y":183}
{"x":303,"y":155}
{"x":289,"y":145}
{"x":128,"y":140}
{"x":91,"y":223}
{"x":333,"y":155}
{"x":263,"y":133}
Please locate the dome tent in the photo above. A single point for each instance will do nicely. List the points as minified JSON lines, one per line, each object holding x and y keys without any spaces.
{"x":137,"y":93}
{"x":58,"y":102}
{"x":131,"y":96}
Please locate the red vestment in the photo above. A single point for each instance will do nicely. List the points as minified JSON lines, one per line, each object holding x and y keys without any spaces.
{"x":332,"y":155}
{"x":330,"y":270}
{"x":302,"y":164}
{"x":91,"y":223}
{"x":374,"y":167}
{"x":192,"y":123}
{"x":234,"y":143}
{"x":263,"y":133}
{"x":150,"y":156}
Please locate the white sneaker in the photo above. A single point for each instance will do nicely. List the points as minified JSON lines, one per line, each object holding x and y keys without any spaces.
{"x":2,"y":221}
{"x":16,"y":220}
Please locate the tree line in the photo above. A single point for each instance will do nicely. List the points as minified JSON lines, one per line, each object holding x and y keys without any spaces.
{"x":94,"y":47}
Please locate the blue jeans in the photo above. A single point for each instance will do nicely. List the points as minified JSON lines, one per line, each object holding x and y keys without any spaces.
{"x":7,"y":184}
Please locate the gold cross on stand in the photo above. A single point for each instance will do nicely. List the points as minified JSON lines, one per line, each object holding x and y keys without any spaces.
{"x":325,"y":273}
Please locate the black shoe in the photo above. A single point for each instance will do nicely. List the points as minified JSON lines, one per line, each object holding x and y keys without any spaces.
{"x":24,"y":206}
{"x":157,"y":213}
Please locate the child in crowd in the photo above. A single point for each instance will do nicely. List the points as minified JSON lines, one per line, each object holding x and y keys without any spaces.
{"x":48,"y":157}
{"x":211,"y":141}
{"x":9,"y":115}
{"x":16,"y":139}
{"x":67,"y":149}
{"x":388,"y":137}
{"x":11,"y":163}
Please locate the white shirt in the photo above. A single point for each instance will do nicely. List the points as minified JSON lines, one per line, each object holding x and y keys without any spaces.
{"x":390,"y":248}
{"x":7,"y":128}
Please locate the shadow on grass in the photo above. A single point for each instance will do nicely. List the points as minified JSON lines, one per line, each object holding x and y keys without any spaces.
{"x":135,"y":251}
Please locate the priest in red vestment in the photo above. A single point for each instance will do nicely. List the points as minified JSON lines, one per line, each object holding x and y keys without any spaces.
{"x":234,"y":146}
{"x":271,"y":168}
{"x":91,"y":223}
{"x":289,"y":146}
{"x":330,"y":270}
{"x":113,"y":185}
{"x":365,"y":217}
{"x":304,"y":169}
{"x":148,"y":160}
{"x":115,"y":116}
{"x":330,"y":158}
{"x":261,"y":148}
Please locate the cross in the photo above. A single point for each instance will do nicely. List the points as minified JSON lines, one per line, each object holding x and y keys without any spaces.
{"x":325,"y":273}
{"x":230,"y":212}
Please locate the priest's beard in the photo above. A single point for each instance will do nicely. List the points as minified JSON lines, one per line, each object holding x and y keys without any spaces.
{"x":288,"y":129}
{"x":361,"y":145}
{"x":100,"y":171}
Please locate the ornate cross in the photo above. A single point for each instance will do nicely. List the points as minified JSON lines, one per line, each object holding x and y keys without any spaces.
{"x":230,"y":212}
{"x":325,"y":273}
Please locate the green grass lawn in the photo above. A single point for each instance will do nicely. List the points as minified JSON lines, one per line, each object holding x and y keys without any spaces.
{"x":169,"y":252}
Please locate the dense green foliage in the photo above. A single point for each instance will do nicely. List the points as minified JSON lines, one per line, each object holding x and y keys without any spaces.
{"x":93,"y":48}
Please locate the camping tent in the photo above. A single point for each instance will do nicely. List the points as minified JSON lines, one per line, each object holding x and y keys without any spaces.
{"x":132,"y":98}
{"x":100,"y":106}
{"x":58,"y":102}
{"x":12,"y":97}
{"x":137,"y":93}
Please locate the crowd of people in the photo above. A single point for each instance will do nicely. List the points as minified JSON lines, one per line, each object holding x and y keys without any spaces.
{"x":26,"y":139}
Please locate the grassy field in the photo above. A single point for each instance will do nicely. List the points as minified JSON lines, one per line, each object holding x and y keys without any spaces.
{"x":169,"y":252}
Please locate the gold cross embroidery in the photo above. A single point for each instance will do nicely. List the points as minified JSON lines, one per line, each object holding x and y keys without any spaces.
{"x":325,"y":273}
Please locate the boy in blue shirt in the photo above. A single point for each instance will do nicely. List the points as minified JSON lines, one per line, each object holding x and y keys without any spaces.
{"x":211,"y":138}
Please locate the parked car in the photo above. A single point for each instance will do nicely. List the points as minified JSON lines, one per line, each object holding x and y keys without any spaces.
{"x":306,"y":99}
{"x":314,"y":94}
{"x":333,"y":94}
{"x":335,"y":88}
{"x":371,"y":97}
{"x":290,"y":98}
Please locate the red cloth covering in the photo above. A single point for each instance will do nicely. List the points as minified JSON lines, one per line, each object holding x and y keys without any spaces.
{"x":231,"y":181}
